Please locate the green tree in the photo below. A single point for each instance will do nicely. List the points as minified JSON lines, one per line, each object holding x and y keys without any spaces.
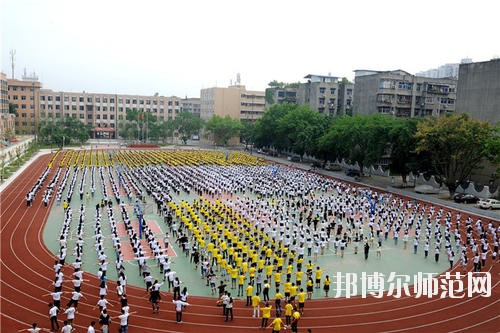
{"x":247,"y":133}
{"x":300,"y":128}
{"x":265,"y":127}
{"x":223,"y":129}
{"x":361,"y":139}
{"x":402,"y":138}
{"x":456,"y":145}
{"x":186,"y":124}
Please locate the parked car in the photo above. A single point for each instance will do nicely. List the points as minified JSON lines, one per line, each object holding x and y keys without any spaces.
{"x":333,"y":167}
{"x":488,"y":204}
{"x":353,"y":173}
{"x":465,"y":198}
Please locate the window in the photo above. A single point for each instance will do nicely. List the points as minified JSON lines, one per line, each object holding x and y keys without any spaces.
{"x":112,"y":117}
{"x":104,"y":99}
{"x":134,"y":101}
{"x":120,"y":109}
{"x":82,"y":116}
{"x":141,"y":101}
{"x":111,"y":108}
{"x":73,"y":107}
{"x":321,"y":100}
{"x":89,"y":116}
{"x":49,"y":98}
{"x":322,"y":90}
{"x":23,"y":115}
{"x":104,"y":108}
{"x":73,"y":99}
{"x":66,"y":107}
{"x":80,"y":99}
{"x":23,"y":106}
{"x":58,"y":107}
{"x":419,"y":86}
{"x":42,"y":97}
{"x":120,"y":117}
{"x":90,"y":108}
{"x":23,"y":98}
{"x":98,"y":100}
{"x":176,"y":103}
{"x":15,"y":97}
{"x":73,"y":115}
{"x":98,"y":108}
{"x":332,"y":91}
{"x":89,"y":99}
{"x":111,"y":100}
{"x":386,"y":84}
{"x":169,"y":103}
{"x":120,"y":100}
{"x":81,"y":108}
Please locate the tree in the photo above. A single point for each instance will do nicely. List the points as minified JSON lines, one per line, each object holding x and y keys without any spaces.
{"x":402,"y":138}
{"x":265,"y":127}
{"x":223,"y":129}
{"x":300,"y":128}
{"x":247,"y":133}
{"x":186,"y":124}
{"x":456,"y":145}
{"x":361,"y":139}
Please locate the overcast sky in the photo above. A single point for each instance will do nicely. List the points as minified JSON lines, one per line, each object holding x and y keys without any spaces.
{"x":178,"y":47}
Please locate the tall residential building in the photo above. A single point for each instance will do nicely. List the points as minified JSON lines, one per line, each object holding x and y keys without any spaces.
{"x":25,"y":95}
{"x":104,"y":111}
{"x":234,"y":101}
{"x":192,"y":105}
{"x":447,"y":70}
{"x":402,"y":94}
{"x":325,"y":94}
{"x":478,"y":91}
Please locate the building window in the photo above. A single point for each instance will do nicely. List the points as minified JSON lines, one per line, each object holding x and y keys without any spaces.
{"x":49,"y":98}
{"x":73,"y":107}
{"x":42,"y":97}
{"x":73,"y":99}
{"x":82,"y":116}
{"x":104,"y":99}
{"x":332,"y":91}
{"x":81,"y":108}
{"x":387,"y":84}
{"x":89,"y":99}
{"x":322,"y":90}
{"x":104,"y":108}
{"x":112,"y":116}
{"x":15,"y":97}
{"x":23,"y":115}
{"x":23,"y":106}
{"x":104,"y":116}
{"x":89,"y":116}
{"x":111,"y":100}
{"x":23,"y":98}
{"x":98,"y":100}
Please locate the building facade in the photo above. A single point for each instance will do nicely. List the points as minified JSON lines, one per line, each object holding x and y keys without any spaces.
{"x":478,"y":91}
{"x":401,"y":94}
{"x":325,"y":94}
{"x":446,"y":70}
{"x":191,"y":105}
{"x":279,"y":95}
{"x":7,"y":120}
{"x":104,"y":111}
{"x":25,"y":95}
{"x":234,"y":101}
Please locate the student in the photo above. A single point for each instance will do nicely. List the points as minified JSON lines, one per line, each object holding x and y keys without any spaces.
{"x":179,"y":306}
{"x":276,"y":325}
{"x":255,"y":305}
{"x":33,"y":329}
{"x":91,"y":329}
{"x":229,"y":307}
{"x":295,"y":321}
{"x":326,"y":285}
{"x":104,"y":321}
{"x":53,"y":311}
{"x":266,"y":314}
{"x":67,"y":328}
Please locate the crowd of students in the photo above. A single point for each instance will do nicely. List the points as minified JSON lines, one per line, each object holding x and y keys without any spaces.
{"x":252,"y":225}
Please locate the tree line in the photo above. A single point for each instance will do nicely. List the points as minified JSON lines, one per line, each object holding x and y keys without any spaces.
{"x":452,"y":146}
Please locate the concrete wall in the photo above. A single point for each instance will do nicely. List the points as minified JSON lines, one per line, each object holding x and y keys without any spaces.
{"x":478,"y":90}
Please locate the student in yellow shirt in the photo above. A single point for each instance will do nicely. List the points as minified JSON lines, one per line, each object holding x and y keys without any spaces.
{"x":241,"y":282}
{"x":255,"y":304}
{"x":249,"y":294}
{"x":276,"y":325}
{"x":318,"y":273}
{"x":293,"y":290}
{"x":298,"y":278}
{"x":301,"y":297}
{"x":277,"y":280}
{"x":234,"y":276}
{"x":326,"y":285}
{"x":295,"y":321}
{"x":286,"y":288}
{"x":309,"y":288}
{"x":277,"y":302}
{"x":288,"y":312}
{"x":266,"y":314}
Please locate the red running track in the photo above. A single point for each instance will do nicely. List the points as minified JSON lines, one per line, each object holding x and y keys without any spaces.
{"x":26,"y":276}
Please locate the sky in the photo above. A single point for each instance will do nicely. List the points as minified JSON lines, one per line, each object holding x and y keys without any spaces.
{"x":176,"y":48}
